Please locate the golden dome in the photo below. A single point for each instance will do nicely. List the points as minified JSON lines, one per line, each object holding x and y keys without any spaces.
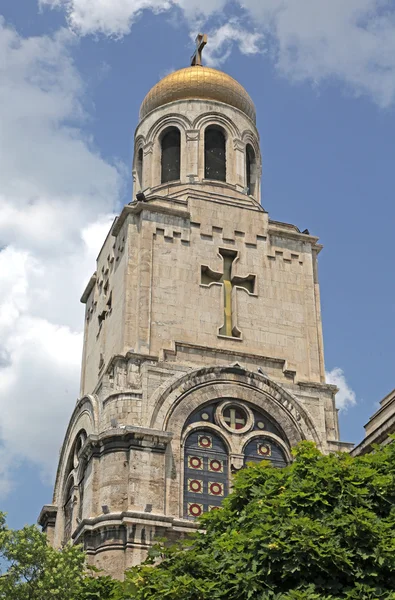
{"x":202,"y":83}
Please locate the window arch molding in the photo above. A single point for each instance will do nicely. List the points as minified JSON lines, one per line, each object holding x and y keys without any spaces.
{"x":153,"y":162}
{"x":138,"y":164}
{"x":269,"y":435}
{"x":231,"y":132}
{"x":215,"y":118}
{"x":202,"y":425}
{"x":249,"y":139}
{"x":176,"y":399}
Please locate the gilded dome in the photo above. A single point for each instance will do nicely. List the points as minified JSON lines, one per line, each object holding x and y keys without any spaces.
{"x":202,"y":83}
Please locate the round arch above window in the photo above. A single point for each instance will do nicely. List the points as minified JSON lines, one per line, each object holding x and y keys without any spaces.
{"x":170,"y":142}
{"x":251,"y":170}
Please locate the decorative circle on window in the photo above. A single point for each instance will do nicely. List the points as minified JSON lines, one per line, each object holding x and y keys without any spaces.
{"x":264,"y":450}
{"x":235,"y":417}
{"x":205,"y":416}
{"x":195,"y":462}
{"x":194,"y":509}
{"x":260,"y":425}
{"x":216,"y":466}
{"x":196,"y":486}
{"x":215,"y":488}
{"x":205,"y":441}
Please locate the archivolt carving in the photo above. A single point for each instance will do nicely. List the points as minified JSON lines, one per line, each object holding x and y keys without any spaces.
{"x":86,"y":417}
{"x":249,"y":137}
{"x":214,"y":118}
{"x":175,"y":402}
{"x":168,"y":120}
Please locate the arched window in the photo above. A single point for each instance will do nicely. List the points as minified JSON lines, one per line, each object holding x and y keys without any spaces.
{"x":205,"y":473}
{"x":262,"y":448}
{"x":68,"y":512}
{"x":251,"y":170}
{"x":139,"y":168}
{"x":215,"y":154}
{"x":171,"y":155}
{"x":206,"y":459}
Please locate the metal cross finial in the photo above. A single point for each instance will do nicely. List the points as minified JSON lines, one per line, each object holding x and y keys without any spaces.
{"x":201,"y":41}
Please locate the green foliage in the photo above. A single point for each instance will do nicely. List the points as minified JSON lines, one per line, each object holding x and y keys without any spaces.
{"x":322,"y":528}
{"x":36,"y":571}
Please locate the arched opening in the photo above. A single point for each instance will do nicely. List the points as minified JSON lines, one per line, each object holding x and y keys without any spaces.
{"x":171,"y":155}
{"x":214,"y":154}
{"x":139,"y":169}
{"x":251,"y":170}
{"x":263,"y":448}
{"x":205,"y":473}
{"x":68,"y":512}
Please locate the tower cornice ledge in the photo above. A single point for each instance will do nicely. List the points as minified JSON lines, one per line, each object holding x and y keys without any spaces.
{"x":291,"y":231}
{"x":151,"y":205}
{"x":47,"y":516}
{"x":125,"y":437}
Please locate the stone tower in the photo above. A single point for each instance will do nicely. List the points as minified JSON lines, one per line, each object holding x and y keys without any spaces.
{"x":203,"y":342}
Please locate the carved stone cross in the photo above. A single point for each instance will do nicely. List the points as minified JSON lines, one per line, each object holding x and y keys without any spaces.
{"x":201,"y":41}
{"x":228,"y":281}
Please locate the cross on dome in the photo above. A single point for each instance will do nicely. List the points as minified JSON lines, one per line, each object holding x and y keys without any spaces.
{"x":201,"y":41}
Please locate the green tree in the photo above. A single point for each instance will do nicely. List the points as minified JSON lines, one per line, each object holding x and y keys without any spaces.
{"x":322,"y":528}
{"x":36,"y":571}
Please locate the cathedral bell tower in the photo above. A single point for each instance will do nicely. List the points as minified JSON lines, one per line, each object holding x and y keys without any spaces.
{"x":203,"y":341}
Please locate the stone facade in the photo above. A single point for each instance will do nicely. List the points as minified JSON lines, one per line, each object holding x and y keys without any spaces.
{"x":172,"y":343}
{"x":379,"y":427}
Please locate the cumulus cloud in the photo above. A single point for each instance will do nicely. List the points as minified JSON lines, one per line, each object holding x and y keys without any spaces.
{"x":57,"y":196}
{"x":346,"y":396}
{"x":229,"y":35}
{"x":352,"y":42}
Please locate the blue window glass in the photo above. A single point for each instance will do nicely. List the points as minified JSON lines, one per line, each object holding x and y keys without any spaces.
{"x":205,"y":473}
{"x":262,"y":448}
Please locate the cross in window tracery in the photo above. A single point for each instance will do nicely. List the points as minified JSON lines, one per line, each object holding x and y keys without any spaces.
{"x":201,"y":41}
{"x":234,"y":419}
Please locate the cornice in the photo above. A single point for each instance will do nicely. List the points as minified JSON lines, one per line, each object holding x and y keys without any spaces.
{"x":123,"y":438}
{"x":150,"y":205}
{"x":89,"y":288}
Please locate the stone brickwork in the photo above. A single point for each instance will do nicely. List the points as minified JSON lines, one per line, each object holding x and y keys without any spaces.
{"x":182,"y":261}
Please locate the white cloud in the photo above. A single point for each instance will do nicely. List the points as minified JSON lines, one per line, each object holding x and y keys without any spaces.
{"x":56,"y":199}
{"x":349,"y":41}
{"x":223,"y":40}
{"x":346,"y":396}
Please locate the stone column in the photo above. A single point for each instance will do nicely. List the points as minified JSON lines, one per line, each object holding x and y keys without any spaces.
{"x":192,"y":154}
{"x":240,"y":166}
{"x":147,"y":166}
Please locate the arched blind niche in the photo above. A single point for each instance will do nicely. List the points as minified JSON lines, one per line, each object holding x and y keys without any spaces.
{"x":171,"y":155}
{"x":251,"y":170}
{"x":215,"y":154}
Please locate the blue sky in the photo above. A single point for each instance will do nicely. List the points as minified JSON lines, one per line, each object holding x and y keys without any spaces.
{"x":72,"y":78}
